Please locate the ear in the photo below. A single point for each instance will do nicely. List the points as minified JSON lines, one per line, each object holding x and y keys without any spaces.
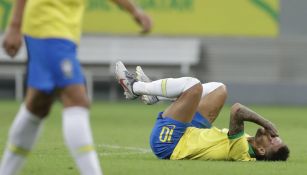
{"x":261,"y":151}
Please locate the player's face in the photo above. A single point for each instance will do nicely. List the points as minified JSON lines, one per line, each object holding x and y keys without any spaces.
{"x":267,"y":142}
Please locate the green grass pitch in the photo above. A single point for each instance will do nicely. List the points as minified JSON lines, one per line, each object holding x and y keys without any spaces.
{"x":121,"y":132}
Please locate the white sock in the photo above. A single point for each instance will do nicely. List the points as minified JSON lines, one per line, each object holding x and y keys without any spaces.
{"x":170,"y":87}
{"x":207,"y":89}
{"x":23,"y":133}
{"x":78,"y":137}
{"x":210,"y":87}
{"x":166,"y":98}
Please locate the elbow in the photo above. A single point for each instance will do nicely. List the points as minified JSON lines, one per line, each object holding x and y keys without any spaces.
{"x":235,"y":109}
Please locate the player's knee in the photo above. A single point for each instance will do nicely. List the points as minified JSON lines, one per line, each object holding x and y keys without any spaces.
{"x":198,"y":89}
{"x":39,"y":107}
{"x":222,"y":90}
{"x":75,"y":101}
{"x":217,"y":88}
{"x":74,"y":95}
{"x":193,"y":86}
{"x":191,"y":82}
{"x":38,"y":102}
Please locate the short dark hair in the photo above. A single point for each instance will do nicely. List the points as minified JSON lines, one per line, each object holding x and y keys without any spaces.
{"x":281,"y":154}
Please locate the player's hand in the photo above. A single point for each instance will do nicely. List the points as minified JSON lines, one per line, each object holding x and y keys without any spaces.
{"x":143,"y":20}
{"x":271,"y":128}
{"x":12,"y":41}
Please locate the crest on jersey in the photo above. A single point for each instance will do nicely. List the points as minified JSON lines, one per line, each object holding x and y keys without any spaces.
{"x":67,"y":68}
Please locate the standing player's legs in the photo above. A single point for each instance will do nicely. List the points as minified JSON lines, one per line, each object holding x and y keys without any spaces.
{"x":52,"y":64}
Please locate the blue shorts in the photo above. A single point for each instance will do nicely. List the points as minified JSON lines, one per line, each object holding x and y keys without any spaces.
{"x":52,"y":63}
{"x":167,"y":132}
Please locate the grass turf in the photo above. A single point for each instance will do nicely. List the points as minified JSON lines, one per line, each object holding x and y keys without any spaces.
{"x":121,"y":132}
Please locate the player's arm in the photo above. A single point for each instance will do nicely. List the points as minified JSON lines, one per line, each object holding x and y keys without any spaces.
{"x":141,"y":18}
{"x":13,"y":37}
{"x":240,"y":114}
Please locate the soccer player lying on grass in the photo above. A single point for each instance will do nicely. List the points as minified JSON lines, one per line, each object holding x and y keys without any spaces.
{"x":182,"y":131}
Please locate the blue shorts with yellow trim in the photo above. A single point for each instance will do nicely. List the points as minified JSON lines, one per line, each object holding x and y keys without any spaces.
{"x":167,"y":132}
{"x":52,"y":63}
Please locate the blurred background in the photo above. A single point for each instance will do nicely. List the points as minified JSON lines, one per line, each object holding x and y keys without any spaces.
{"x":256,"y":47}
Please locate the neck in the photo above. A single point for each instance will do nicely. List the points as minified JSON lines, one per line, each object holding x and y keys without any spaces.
{"x":251,"y":142}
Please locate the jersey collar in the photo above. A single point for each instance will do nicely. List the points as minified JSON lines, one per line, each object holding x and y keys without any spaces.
{"x":251,"y":151}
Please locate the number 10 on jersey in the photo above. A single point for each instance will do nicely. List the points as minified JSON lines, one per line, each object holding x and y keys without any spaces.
{"x":166,"y":133}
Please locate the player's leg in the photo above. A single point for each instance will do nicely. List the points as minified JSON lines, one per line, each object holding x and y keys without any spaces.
{"x":187,"y":90}
{"x":28,"y":121}
{"x":38,"y":102}
{"x":149,"y":99}
{"x":76,"y":129}
{"x":76,"y":126}
{"x":212,"y":101}
{"x":184,"y":108}
{"x":25,"y":130}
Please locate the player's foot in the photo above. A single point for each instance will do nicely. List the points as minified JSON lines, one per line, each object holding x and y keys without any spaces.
{"x":149,"y":99}
{"x":141,"y":76}
{"x":126,"y":80}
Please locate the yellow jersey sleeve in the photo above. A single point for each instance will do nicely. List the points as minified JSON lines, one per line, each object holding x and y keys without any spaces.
{"x":239,"y":148}
{"x":53,"y":19}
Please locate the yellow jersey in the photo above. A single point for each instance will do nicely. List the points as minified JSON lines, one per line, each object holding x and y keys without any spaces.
{"x":53,"y":19}
{"x":212,"y":144}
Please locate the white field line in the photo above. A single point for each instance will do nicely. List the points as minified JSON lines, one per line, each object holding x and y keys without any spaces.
{"x":128,"y":150}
